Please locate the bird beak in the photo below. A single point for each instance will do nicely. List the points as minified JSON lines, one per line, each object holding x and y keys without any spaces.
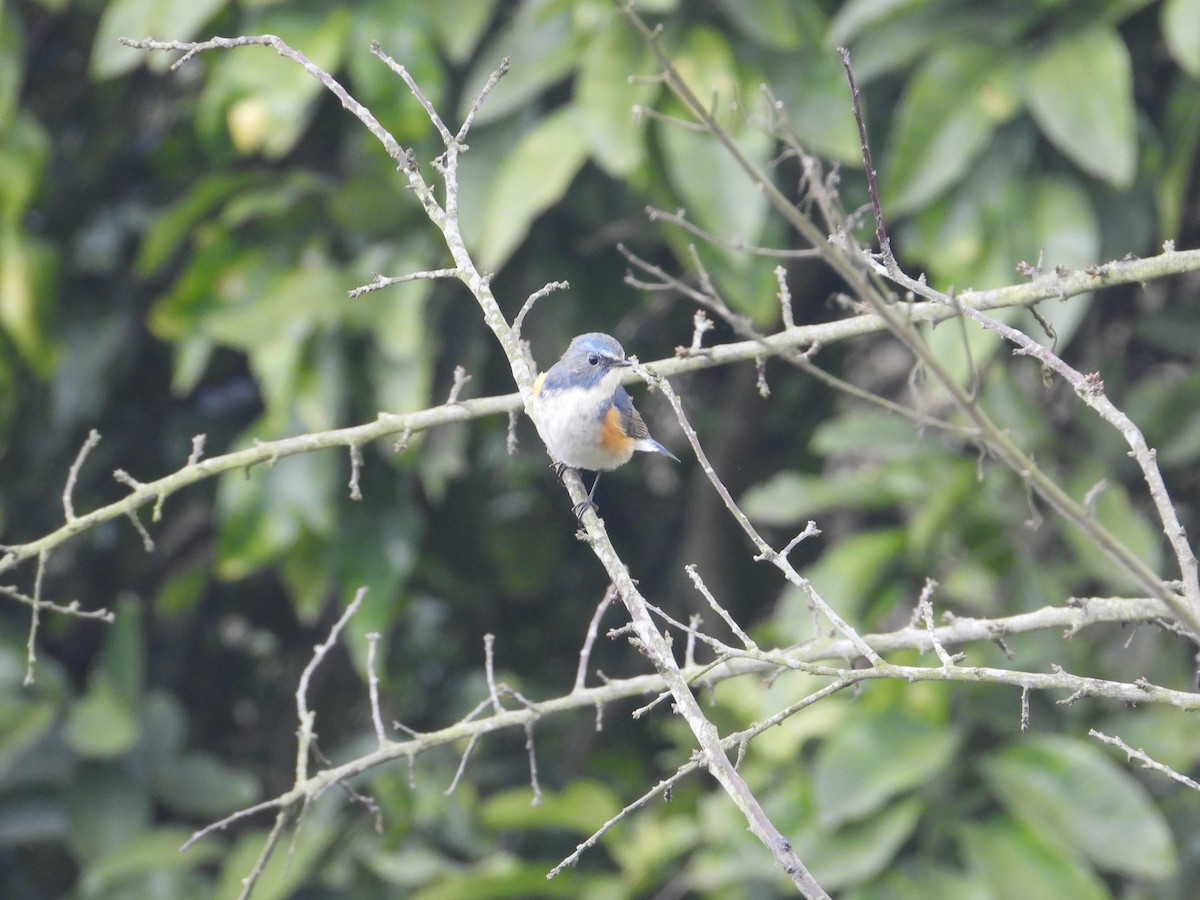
{"x":622,"y":364}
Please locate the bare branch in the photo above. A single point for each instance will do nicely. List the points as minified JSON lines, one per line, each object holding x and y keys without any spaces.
{"x":534,"y":298}
{"x":881,"y":235}
{"x":93,"y":439}
{"x":1146,"y":761}
{"x":191,"y":48}
{"x":680,"y":219}
{"x":356,"y":464}
{"x":718,"y":608}
{"x":307,"y":718}
{"x":585,"y":652}
{"x":764,"y":549}
{"x":432,"y":113}
{"x":373,"y":687}
{"x":493,"y":79}
{"x":925,"y":611}
{"x":198,"y":441}
{"x":379,"y":282}
{"x":460,"y":381}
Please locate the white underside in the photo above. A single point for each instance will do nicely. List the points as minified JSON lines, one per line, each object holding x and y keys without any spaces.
{"x":569,"y":422}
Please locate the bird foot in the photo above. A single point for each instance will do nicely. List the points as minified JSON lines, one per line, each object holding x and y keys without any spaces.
{"x":580,"y":508}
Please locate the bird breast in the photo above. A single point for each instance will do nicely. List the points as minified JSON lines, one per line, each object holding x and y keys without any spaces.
{"x":572,"y":423}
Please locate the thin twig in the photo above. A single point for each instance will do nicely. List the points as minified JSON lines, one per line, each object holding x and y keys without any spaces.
{"x":304,"y":714}
{"x":379,"y":281}
{"x":700,"y":586}
{"x":1146,"y":761}
{"x":373,"y":687}
{"x":533,"y":298}
{"x":491,"y":83}
{"x":430,"y":112}
{"x":460,"y":381}
{"x":765,"y":551}
{"x":925,"y":611}
{"x":881,"y":235}
{"x":356,"y":464}
{"x":35,"y":618}
{"x":679,"y":218}
{"x":197,"y":453}
{"x":93,"y":439}
{"x":589,"y":640}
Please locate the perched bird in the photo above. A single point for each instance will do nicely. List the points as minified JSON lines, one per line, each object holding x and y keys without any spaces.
{"x":586,"y":417}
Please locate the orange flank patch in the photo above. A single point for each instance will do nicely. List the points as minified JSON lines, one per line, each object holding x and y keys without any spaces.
{"x":612,"y":434}
{"x":537,"y":384}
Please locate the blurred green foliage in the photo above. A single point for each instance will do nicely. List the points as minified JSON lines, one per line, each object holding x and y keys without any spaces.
{"x":175,"y":249}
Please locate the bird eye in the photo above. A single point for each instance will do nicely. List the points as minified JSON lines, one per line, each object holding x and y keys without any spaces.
{"x":593,"y":359}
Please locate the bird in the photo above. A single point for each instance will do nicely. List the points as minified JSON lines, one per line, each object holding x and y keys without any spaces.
{"x":584,"y":414}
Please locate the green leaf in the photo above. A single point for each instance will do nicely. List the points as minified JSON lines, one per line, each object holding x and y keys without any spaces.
{"x":12,"y":40}
{"x":947,"y":115}
{"x":30,"y":818}
{"x":22,"y":726}
{"x":787,"y":498}
{"x":581,"y":807}
{"x":867,"y":434}
{"x":24,"y":151}
{"x":124,"y":659}
{"x":847,"y":573}
{"x":1180,"y":138}
{"x":502,"y":875}
{"x":19,"y":306}
{"x":964,"y":348}
{"x":543,"y":47}
{"x":1181,"y":31}
{"x":951,"y":486}
{"x":605,"y":97}
{"x":855,"y":16}
{"x":854,"y":854}
{"x":783,"y":24}
{"x":1171,"y":739}
{"x":922,"y":880}
{"x":262,"y":516}
{"x":459,"y":25}
{"x":164,"y":727}
{"x":176,"y":225}
{"x":718,"y":195}
{"x":871,"y":760}
{"x":664,"y":837}
{"x":1070,"y":792}
{"x":969,"y":237}
{"x":163,"y":19}
{"x":1080,"y":92}
{"x":817,"y":103}
{"x":106,"y":807}
{"x":288,"y":867}
{"x":154,"y":851}
{"x":262,"y":101}
{"x":534,"y":176}
{"x":288,"y":301}
{"x":405,"y":33}
{"x":1065,"y":227}
{"x":202,"y":786}
{"x":101,"y":724}
{"x":1017,"y":865}
{"x":1116,"y":512}
{"x":1166,"y":409}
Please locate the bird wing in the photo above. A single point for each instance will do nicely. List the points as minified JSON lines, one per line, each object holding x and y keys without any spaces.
{"x":631,"y":419}
{"x":637,"y":428}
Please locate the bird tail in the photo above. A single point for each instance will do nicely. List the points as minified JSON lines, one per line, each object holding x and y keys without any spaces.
{"x":650,"y":445}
